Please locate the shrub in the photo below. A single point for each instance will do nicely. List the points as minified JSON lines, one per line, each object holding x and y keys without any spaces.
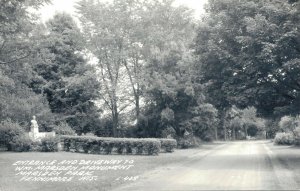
{"x":120,"y":147}
{"x":168,"y":144}
{"x":105,"y":129}
{"x":284,"y":139}
{"x":289,"y":124}
{"x":21,"y":143}
{"x":128,"y":148}
{"x":286,"y":122}
{"x":35,"y":146}
{"x":11,"y":134}
{"x":208,"y":138}
{"x":49,"y":144}
{"x":109,"y":145}
{"x":169,"y":132}
{"x":151,"y":146}
{"x":63,"y":129}
{"x":187,"y":142}
{"x":167,"y":116}
{"x":297,"y":136}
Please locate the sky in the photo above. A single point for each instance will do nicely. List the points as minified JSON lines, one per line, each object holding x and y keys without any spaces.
{"x":48,"y":11}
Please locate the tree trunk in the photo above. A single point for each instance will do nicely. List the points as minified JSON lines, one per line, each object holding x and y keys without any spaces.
{"x":225,"y":133}
{"x":216,"y":132}
{"x":233,"y":134}
{"x":137,"y":109}
{"x":222,"y":123}
{"x":115,"y":118}
{"x":115,"y":124}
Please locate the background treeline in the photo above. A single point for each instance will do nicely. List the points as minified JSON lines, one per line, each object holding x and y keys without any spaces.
{"x":149,"y":69}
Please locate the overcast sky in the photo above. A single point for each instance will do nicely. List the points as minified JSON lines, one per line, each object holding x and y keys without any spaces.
{"x":68,"y":6}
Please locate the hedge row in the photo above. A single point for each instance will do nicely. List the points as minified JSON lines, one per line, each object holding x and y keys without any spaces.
{"x":109,"y":145}
{"x":25,"y":144}
{"x":168,"y":145}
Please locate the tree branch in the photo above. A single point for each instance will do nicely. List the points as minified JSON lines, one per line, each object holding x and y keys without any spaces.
{"x":130,"y":78}
{"x":17,"y":59}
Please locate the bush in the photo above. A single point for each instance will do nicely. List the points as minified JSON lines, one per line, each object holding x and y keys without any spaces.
{"x":11,"y":134}
{"x":284,"y":139}
{"x":35,"y":146}
{"x":169,"y":132}
{"x":297,"y":136}
{"x":188,"y":142}
{"x":290,"y":124}
{"x":109,"y":145}
{"x":21,"y":143}
{"x":168,"y":144}
{"x":49,"y":144}
{"x":208,"y":138}
{"x":63,"y":129}
{"x":106,"y":128}
{"x":286,"y":122}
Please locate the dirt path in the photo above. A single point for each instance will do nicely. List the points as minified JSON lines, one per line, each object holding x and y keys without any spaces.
{"x":241,"y":165}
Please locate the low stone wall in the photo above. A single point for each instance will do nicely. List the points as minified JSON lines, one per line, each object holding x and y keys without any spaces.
{"x":40,"y":135}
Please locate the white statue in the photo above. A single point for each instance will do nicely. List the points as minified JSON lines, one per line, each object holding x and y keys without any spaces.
{"x":34,"y":133}
{"x":34,"y":126}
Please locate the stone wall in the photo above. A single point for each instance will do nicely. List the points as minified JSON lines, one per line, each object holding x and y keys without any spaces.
{"x":35,"y":136}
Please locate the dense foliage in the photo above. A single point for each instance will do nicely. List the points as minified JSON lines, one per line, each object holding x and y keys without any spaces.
{"x":10,"y":134}
{"x":151,"y":70}
{"x":64,"y":75}
{"x":147,"y":51}
{"x":17,"y":100}
{"x":168,"y":145}
{"x":284,"y":139}
{"x":244,"y":122}
{"x":289,"y":130}
{"x":249,"y":54}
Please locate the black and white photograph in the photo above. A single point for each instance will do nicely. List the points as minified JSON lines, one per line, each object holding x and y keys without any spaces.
{"x":149,"y":95}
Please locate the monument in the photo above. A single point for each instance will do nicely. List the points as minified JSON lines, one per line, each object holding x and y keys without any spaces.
{"x":34,"y":133}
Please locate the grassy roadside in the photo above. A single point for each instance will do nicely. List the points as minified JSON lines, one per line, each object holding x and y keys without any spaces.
{"x":289,"y":157}
{"x":106,"y":179}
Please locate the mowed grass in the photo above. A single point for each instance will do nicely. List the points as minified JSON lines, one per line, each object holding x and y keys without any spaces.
{"x":289,"y":156}
{"x":106,"y":180}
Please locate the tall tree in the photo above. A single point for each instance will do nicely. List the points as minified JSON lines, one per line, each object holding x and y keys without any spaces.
{"x":107,"y":27}
{"x":170,"y":81}
{"x":17,"y":101}
{"x":147,"y":43}
{"x":67,"y":79}
{"x":249,"y":52}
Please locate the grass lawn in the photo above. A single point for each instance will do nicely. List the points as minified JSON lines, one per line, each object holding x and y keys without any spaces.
{"x":289,"y":156}
{"x":106,"y":180}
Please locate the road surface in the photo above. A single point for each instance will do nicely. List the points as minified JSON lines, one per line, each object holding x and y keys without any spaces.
{"x":240,"y":165}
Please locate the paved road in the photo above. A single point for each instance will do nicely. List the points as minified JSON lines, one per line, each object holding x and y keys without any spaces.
{"x":241,"y":165}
